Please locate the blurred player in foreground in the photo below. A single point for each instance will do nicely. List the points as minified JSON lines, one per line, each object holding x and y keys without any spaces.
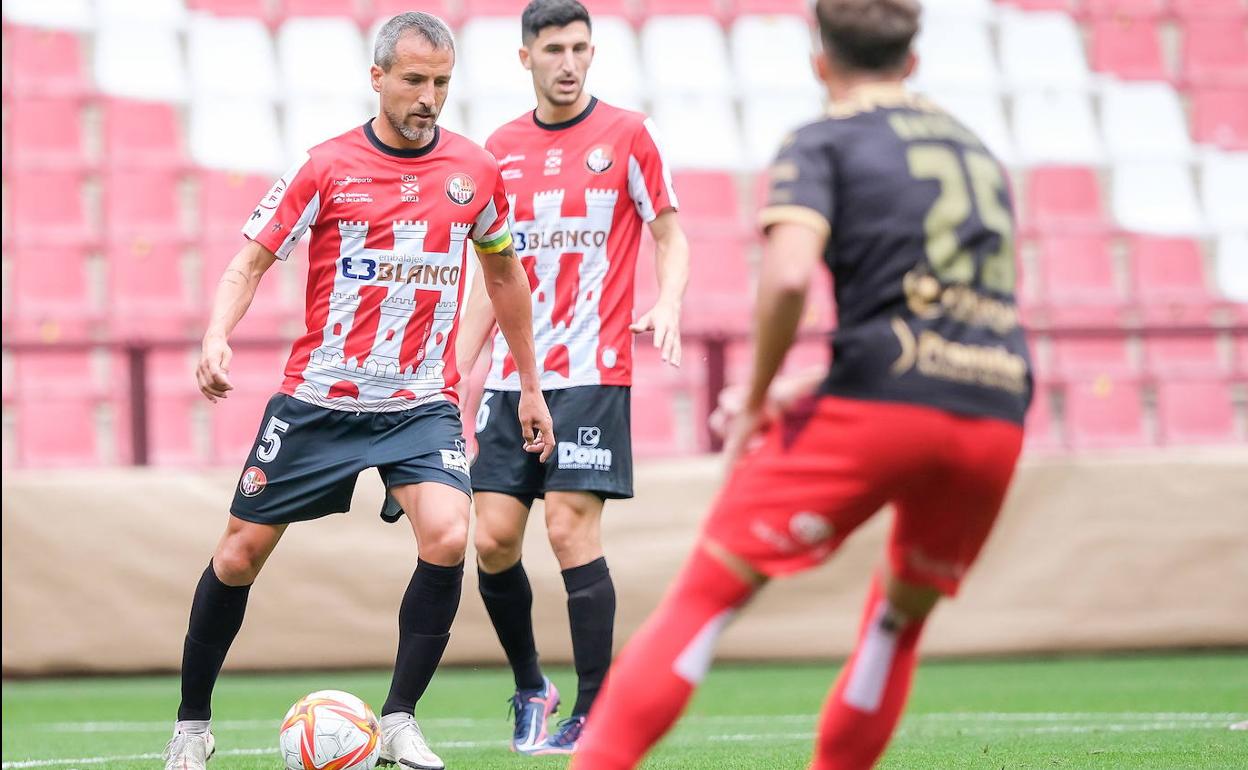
{"x":584,"y":177}
{"x":922,"y":408}
{"x":391,"y":205}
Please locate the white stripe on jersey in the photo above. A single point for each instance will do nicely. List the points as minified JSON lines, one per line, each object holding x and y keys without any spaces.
{"x":264,"y":212}
{"x":653,"y":130}
{"x":638,"y":191}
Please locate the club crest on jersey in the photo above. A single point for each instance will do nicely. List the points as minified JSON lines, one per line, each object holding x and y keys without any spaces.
{"x":461,"y":189}
{"x":600,"y":159}
{"x":253,"y":482}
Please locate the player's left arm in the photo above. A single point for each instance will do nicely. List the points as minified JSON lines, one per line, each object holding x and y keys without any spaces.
{"x":671,"y":261}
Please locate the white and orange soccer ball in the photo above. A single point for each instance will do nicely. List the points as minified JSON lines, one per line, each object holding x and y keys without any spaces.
{"x":330,"y":730}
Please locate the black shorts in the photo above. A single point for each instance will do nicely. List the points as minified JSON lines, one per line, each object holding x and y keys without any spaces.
{"x":594,"y":452}
{"x":306,"y":458}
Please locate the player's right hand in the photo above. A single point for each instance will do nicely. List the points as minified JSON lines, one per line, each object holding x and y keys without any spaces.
{"x":213,"y":372}
{"x":536,"y":424}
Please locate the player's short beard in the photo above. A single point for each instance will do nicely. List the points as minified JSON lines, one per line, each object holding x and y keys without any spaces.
{"x":418,"y":135}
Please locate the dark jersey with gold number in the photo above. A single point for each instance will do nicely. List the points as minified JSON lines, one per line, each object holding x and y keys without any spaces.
{"x":920,"y":231}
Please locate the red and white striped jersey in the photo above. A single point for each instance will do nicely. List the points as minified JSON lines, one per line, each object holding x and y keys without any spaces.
{"x":580,"y":192}
{"x":387,"y":258}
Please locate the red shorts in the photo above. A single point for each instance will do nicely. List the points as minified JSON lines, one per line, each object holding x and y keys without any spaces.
{"x":830,"y":464}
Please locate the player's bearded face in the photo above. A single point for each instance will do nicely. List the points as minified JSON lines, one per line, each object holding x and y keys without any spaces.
{"x":559,"y":59}
{"x":415,"y":87}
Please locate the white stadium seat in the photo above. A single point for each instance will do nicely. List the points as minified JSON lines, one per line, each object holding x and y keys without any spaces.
{"x":983,"y":113}
{"x":699,"y":132}
{"x":139,"y":62}
{"x":1155,"y":197}
{"x":1042,"y":50}
{"x":771,"y":54}
{"x":685,"y":55}
{"x":615,"y":75}
{"x":1056,"y":127}
{"x":488,"y":66}
{"x":1224,"y":190}
{"x":1144,"y":121}
{"x":148,"y":13}
{"x":957,"y":9}
{"x":484,"y":116}
{"x":955,"y":54}
{"x":308,"y":122}
{"x":322,"y":57}
{"x":236,"y":135}
{"x":1233,"y":266}
{"x":769,"y":119}
{"x":62,"y":14}
{"x":231,"y":57}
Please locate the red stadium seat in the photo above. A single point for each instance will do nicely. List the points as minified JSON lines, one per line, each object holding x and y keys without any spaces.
{"x":1169,"y":280}
{"x":1196,"y":412}
{"x":48,"y":133}
{"x":1064,"y":199}
{"x":1215,"y":52}
{"x":52,"y":298}
{"x":444,"y":9}
{"x":347,"y":8}
{"x":1240,"y":345}
{"x":45,"y":63}
{"x":142,"y":135}
{"x":258,"y":9}
{"x":271,"y":309}
{"x":475,"y":8}
{"x":771,"y":7}
{"x":256,"y":374}
{"x":1079,"y":281}
{"x":1066,"y":6}
{"x":1105,"y":414}
{"x":682,"y":8}
{"x":1206,"y":9}
{"x":57,"y":404}
{"x":173,"y":399}
{"x":225,"y":201}
{"x":148,"y":293}
{"x":1089,"y":358}
{"x":720,"y":286}
{"x":1127,"y":47}
{"x":1171,"y":357}
{"x":1220,"y":117}
{"x":666,"y":403}
{"x":1041,"y":434}
{"x":47,"y":209}
{"x":142,"y":207}
{"x":707,"y":199}
{"x":1133,"y":8}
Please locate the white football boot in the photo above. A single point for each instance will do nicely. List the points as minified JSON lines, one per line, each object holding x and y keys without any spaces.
{"x":403,"y":744}
{"x":189,"y":751}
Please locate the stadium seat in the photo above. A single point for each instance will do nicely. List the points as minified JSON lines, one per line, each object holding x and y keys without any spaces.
{"x":1042,"y":50}
{"x":1223,"y":190}
{"x":1215,"y":52}
{"x":256,"y":373}
{"x":1195,"y":412}
{"x":1041,"y":432}
{"x":236,"y":135}
{"x":1169,"y":280}
{"x":955,"y":55}
{"x":1127,"y":47}
{"x":1127,"y":106}
{"x":142,"y":207}
{"x":1240,"y":344}
{"x":771,"y":54}
{"x":51,"y":300}
{"x":1079,"y":280}
{"x":720,"y":285}
{"x":225,"y":201}
{"x":684,"y":56}
{"x":1105,"y":414}
{"x":142,"y":135}
{"x":1183,"y":356}
{"x":322,"y":58}
{"x":161,"y":14}
{"x":490,"y":63}
{"x":45,"y":63}
{"x":1220,"y":117}
{"x":509,"y":8}
{"x":1156,"y":197}
{"x":772,"y":8}
{"x":447,"y":10}
{"x":708,"y":200}
{"x":148,"y":291}
{"x":173,"y":402}
{"x":57,"y":388}
{"x":666,"y":404}
{"x":769,"y":119}
{"x":231,"y":57}
{"x":1064,"y":199}
{"x":48,"y":132}
{"x":1232,"y":270}
{"x":1056,"y":127}
{"x":140,"y":61}
{"x":708,"y":8}
{"x":65,"y":14}
{"x":983,"y":113}
{"x":47,"y":209}
{"x":348,"y":9}
{"x":974,"y":10}
{"x":273,"y":310}
{"x":485,"y":116}
{"x":1139,"y":9}
{"x":616,"y":74}
{"x":1088,"y":357}
{"x":251,"y":9}
{"x":308,"y":122}
{"x":688,"y":144}
{"x":1208,"y":9}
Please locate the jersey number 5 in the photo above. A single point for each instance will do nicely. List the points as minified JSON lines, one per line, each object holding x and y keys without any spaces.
{"x":272,"y":438}
{"x":951,"y":261}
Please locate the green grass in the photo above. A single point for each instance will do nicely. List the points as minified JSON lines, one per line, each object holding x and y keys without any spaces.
{"x":1151,"y":711}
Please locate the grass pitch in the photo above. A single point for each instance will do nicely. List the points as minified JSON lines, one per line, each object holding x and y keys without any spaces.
{"x":1166,"y":712}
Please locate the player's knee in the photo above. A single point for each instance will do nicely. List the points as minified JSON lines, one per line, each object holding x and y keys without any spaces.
{"x":496,"y":550}
{"x":237,"y":563}
{"x":571,"y":538}
{"x":447,"y":546}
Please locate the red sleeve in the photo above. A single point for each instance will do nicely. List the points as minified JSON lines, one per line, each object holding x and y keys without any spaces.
{"x":490,"y":232}
{"x":289,"y":208}
{"x":649,"y":177}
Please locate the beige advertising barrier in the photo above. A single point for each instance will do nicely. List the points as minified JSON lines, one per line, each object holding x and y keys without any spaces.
{"x":1134,"y":552}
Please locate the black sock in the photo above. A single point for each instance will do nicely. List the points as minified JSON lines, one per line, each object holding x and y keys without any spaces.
{"x":216,"y":615}
{"x":591,"y":614}
{"x":425,"y":618}
{"x":509,"y":601}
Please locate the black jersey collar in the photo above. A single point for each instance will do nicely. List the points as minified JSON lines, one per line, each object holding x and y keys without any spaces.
{"x":396,"y":152}
{"x":593,"y":102}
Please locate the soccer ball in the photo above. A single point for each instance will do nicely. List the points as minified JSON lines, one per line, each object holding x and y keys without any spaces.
{"x":330,"y":730}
